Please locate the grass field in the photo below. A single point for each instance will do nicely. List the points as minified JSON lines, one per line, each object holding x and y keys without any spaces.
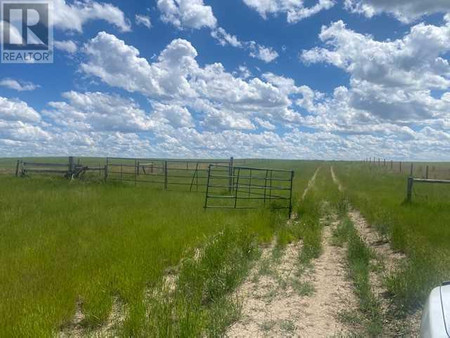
{"x":93,"y":243}
{"x":420,"y":228}
{"x":62,"y":242}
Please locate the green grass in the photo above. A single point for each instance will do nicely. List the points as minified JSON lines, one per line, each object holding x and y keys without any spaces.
{"x":420,"y":229}
{"x":63,"y":241}
{"x":359,"y":257}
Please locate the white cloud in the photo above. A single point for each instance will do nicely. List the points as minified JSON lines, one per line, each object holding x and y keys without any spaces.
{"x":74,"y":16}
{"x":20,"y":86}
{"x":67,"y":46}
{"x":176,"y":76}
{"x":265,"y":54}
{"x":403,"y":10}
{"x":390,"y":79}
{"x":225,"y":38}
{"x":143,"y":20}
{"x":99,"y":112}
{"x":295,"y":10}
{"x":16,"y":110}
{"x":187,"y":13}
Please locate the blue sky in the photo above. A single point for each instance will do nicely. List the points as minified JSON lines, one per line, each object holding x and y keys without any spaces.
{"x":325,"y":79}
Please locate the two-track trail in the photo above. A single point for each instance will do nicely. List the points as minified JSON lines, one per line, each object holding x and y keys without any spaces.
{"x":277,"y":300}
{"x":391,"y":261}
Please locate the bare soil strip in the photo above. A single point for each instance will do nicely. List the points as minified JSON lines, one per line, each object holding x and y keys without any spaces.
{"x":282,"y":303}
{"x":388,"y":261}
{"x":310,"y":183}
{"x":76,"y":329}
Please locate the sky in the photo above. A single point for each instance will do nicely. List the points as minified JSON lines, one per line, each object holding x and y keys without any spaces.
{"x":290,"y":79}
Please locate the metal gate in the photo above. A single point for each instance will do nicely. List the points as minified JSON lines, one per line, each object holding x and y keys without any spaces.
{"x":248,"y":188}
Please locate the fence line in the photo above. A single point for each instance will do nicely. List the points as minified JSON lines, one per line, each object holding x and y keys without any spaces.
{"x":416,"y":169}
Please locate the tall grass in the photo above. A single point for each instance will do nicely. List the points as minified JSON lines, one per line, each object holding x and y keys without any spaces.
{"x":62,"y":242}
{"x":420,"y":229}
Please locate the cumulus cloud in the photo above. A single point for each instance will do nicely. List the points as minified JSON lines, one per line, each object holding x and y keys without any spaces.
{"x":20,"y":86}
{"x":100,"y":112}
{"x":73,"y":16}
{"x":187,"y":13}
{"x":67,"y":46}
{"x":177,"y":76}
{"x":390,"y":79}
{"x":404,"y":10}
{"x":295,"y":10}
{"x":143,"y":20}
{"x":194,"y":14}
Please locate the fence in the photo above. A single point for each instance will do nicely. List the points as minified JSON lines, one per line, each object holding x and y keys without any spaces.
{"x":412,"y":180}
{"x":70,"y":169}
{"x":415,"y":169}
{"x":188,"y":174}
{"x":248,"y":188}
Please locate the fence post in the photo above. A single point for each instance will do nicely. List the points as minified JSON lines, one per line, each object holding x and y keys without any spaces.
{"x":265,"y":186}
{"x":207,"y":187}
{"x":71,"y":165}
{"x":426,"y":172}
{"x":290,"y":194}
{"x":400,"y":166}
{"x":409,"y":188}
{"x":165,"y":175}
{"x":237,"y":188}
{"x":230,"y":174}
{"x":106,"y":172}
{"x":138,"y":168}
{"x":17,"y":168}
{"x":411,"y":173}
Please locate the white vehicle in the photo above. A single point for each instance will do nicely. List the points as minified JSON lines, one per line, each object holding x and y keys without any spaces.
{"x":436,"y":314}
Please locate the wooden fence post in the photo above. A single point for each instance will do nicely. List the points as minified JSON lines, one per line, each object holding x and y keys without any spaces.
{"x":409,"y":189}
{"x":426,"y":172}
{"x":71,"y":165}
{"x":400,"y":166}
{"x":106,"y":172}
{"x":411,"y":173}
{"x":17,"y":168}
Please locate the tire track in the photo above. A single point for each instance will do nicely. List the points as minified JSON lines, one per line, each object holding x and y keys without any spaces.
{"x":390,"y":261}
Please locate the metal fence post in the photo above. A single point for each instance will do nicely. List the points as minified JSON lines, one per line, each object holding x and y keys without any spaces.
{"x":265,"y":186}
{"x":106,"y":172}
{"x":237,"y":188}
{"x":290,"y":194}
{"x":409,"y":188}
{"x":230,"y":174}
{"x":207,"y":187}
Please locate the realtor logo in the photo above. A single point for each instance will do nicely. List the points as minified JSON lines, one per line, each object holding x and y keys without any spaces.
{"x":27,"y":35}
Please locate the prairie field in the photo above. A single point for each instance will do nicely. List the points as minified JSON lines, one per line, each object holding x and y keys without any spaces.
{"x":74,"y":252}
